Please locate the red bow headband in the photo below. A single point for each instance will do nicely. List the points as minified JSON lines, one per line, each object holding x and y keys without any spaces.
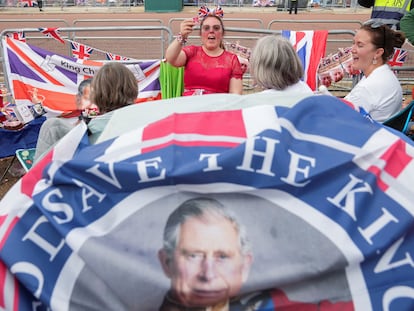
{"x":205,"y":11}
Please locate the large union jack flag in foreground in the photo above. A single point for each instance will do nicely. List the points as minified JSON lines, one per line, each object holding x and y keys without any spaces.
{"x":321,"y":200}
{"x":56,"y":77}
{"x":310,"y":46}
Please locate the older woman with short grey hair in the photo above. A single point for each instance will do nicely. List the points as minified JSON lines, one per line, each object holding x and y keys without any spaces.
{"x":275,"y":66}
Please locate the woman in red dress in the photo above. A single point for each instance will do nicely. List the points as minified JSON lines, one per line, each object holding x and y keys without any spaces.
{"x":209,"y":68}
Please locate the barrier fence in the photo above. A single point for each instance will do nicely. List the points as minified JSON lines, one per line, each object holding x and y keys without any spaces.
{"x":128,"y":3}
{"x":278,"y":4}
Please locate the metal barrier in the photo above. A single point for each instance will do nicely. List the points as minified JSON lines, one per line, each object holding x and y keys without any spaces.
{"x":159,"y":36}
{"x":333,"y":23}
{"x":126,"y":4}
{"x":120,"y":22}
{"x":173,"y":23}
{"x":151,"y":39}
{"x":21,"y":23}
{"x":405,"y":76}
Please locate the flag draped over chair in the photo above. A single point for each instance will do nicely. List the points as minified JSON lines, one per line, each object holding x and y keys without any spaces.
{"x":56,"y":77}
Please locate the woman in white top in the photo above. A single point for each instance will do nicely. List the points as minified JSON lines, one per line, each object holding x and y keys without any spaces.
{"x":379,"y":92}
{"x":275,"y":67}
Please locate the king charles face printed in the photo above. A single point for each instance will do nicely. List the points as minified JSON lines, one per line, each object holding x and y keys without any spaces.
{"x":207,"y":266}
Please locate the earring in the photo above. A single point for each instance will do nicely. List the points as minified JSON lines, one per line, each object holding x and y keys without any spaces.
{"x":374,"y":61}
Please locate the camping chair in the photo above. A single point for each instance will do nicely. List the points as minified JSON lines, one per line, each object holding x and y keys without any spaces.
{"x":26,"y":157}
{"x":401,"y":119}
{"x":171,"y":80}
{"x":6,"y":170}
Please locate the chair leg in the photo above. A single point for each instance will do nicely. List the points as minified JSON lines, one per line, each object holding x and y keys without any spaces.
{"x":7,"y":168}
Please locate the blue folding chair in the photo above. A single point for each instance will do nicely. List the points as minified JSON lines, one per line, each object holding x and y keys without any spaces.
{"x":401,"y":119}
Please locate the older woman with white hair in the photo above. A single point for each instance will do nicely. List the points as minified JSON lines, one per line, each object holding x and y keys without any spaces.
{"x":276,"y":68}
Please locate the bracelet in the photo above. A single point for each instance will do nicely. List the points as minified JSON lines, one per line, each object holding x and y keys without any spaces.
{"x":181,"y":39}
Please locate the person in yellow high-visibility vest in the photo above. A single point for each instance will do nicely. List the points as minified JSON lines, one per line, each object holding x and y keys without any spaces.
{"x":387,"y":12}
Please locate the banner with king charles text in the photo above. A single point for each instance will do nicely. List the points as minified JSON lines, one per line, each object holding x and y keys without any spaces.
{"x":261,"y":208}
{"x":55,"y":78}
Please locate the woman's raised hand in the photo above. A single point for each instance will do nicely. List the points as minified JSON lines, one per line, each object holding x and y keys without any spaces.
{"x":186,"y":27}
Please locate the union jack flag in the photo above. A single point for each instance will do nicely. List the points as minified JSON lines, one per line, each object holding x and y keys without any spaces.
{"x":218,"y":11}
{"x":29,"y":3}
{"x":111,"y":56}
{"x":52,"y":33}
{"x":398,"y":58}
{"x":20,"y":35}
{"x":310,"y":47}
{"x":81,"y":51}
{"x":203,"y":11}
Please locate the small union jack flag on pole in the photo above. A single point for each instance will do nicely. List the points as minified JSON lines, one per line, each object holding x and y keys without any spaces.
{"x":81,"y":51}
{"x":18,"y":36}
{"x":110,"y":56}
{"x":8,"y":110}
{"x":52,"y":33}
{"x":29,"y":3}
{"x":398,"y":58}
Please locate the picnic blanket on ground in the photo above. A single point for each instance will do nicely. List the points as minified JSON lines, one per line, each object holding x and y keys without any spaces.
{"x":324,"y":194}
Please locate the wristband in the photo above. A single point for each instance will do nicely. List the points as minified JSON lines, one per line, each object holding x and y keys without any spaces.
{"x":181,"y":39}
